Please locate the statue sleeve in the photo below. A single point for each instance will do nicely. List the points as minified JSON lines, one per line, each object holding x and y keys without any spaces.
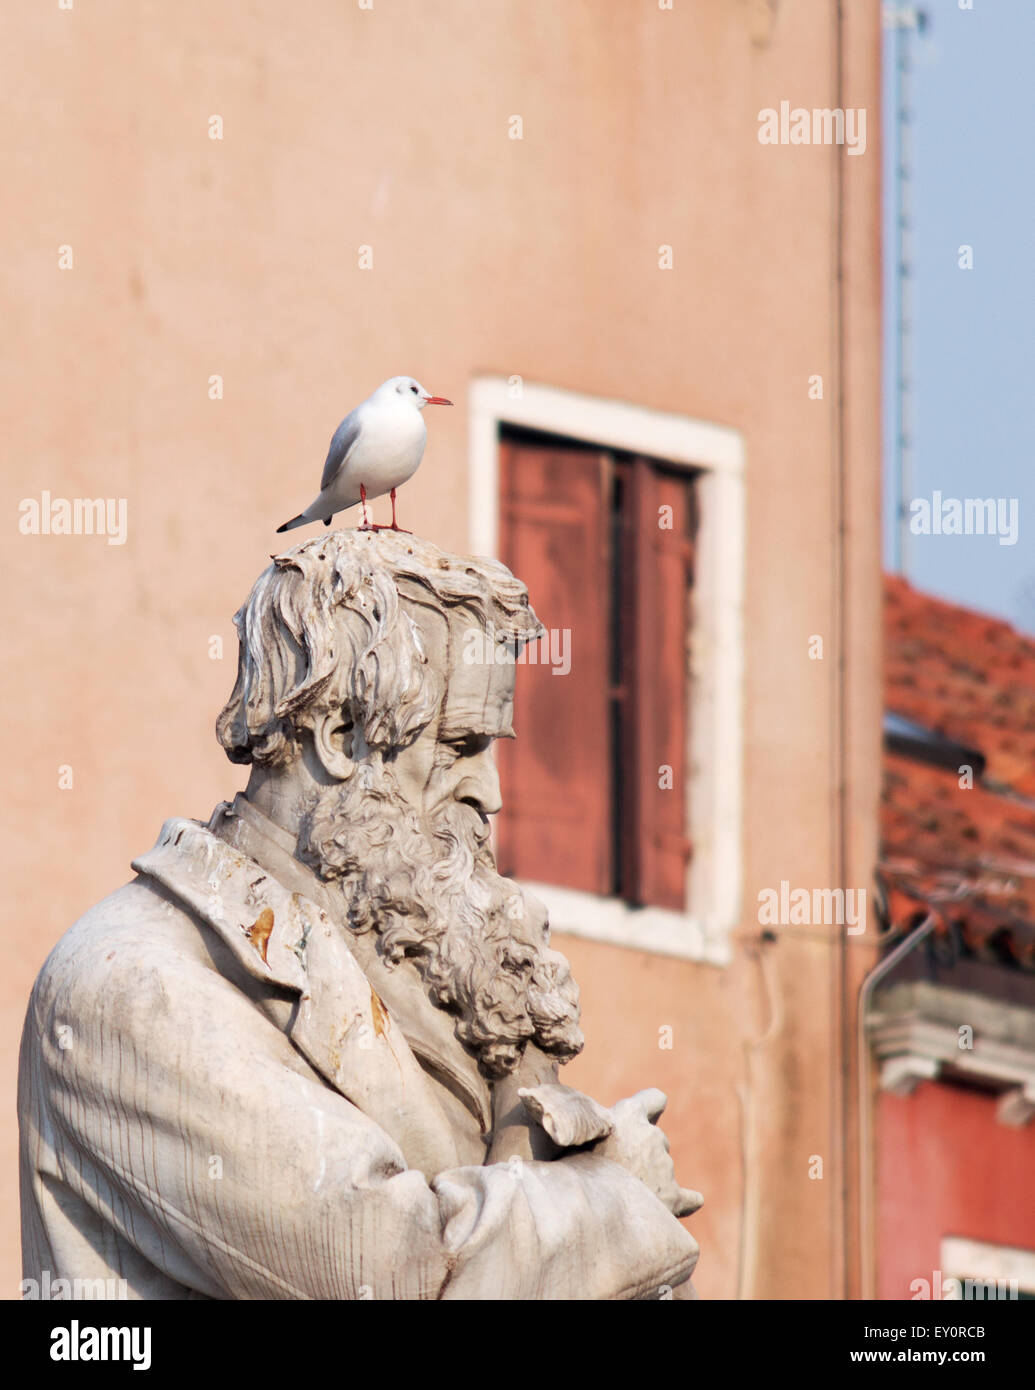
{"x":161,"y":1102}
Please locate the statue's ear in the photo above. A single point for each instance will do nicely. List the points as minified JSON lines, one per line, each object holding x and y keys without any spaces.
{"x":332,"y":742}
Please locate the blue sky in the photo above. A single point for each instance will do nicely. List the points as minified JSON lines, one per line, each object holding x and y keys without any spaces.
{"x":973,"y":343}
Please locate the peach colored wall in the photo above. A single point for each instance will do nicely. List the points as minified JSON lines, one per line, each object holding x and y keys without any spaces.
{"x":238,"y":257}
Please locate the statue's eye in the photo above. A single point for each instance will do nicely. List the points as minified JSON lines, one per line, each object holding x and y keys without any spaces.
{"x":469,"y":746}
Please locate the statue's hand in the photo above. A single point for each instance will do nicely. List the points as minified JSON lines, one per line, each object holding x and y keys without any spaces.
{"x":570,"y":1118}
{"x":640,"y":1146}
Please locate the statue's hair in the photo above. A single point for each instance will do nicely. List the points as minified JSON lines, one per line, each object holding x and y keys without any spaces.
{"x":330,"y":625}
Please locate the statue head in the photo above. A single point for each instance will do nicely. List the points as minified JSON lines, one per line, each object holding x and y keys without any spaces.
{"x":368,"y":714}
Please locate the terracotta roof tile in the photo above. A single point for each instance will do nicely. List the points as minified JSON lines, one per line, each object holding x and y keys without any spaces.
{"x":965,"y":852}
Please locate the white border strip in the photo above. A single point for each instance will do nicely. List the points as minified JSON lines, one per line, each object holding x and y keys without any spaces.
{"x":715,"y":764}
{"x":975,"y":1259}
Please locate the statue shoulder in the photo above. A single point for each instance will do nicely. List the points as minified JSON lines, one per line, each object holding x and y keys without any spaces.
{"x":117,"y":943}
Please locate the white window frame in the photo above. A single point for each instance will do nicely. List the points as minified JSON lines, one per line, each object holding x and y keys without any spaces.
{"x":715,"y":746}
{"x":962,"y":1258}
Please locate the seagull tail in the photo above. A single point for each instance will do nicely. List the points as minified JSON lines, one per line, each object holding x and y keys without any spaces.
{"x":300,"y":520}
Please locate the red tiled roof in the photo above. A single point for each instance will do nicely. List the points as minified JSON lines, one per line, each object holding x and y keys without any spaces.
{"x":967,"y":853}
{"x":964,"y":675}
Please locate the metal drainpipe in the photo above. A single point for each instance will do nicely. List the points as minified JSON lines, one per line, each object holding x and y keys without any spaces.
{"x":839,"y":1098}
{"x":867,"y":1279}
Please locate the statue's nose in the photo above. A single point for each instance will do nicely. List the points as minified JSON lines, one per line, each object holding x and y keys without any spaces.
{"x":480,"y":785}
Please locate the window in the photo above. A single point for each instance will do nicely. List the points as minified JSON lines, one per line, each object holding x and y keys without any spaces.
{"x":714,"y":456}
{"x":595,"y":785}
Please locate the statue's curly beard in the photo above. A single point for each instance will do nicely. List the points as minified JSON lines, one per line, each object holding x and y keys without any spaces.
{"x":429,"y":888}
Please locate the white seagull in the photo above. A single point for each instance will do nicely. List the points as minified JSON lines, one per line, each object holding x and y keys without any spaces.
{"x":375,"y":449}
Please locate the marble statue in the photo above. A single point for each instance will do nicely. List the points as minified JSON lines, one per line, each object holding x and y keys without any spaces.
{"x":312,"y":1049}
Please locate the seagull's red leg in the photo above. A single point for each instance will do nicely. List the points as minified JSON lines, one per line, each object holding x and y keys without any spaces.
{"x":367,"y":525}
{"x":395,"y":525}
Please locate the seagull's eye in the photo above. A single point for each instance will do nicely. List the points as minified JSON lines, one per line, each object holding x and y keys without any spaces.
{"x":413,"y":389}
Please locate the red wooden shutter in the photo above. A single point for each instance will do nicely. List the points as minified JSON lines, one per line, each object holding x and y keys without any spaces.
{"x":662,"y":578}
{"x":556,"y":820}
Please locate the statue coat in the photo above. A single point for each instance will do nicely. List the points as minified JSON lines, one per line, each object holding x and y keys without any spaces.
{"x":224,"y":1093}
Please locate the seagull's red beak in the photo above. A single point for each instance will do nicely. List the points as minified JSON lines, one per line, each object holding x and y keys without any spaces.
{"x":437,"y":400}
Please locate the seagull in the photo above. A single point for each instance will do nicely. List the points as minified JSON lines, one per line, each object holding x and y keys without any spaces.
{"x":375,"y":449}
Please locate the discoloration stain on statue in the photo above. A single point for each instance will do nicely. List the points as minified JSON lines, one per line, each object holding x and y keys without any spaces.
{"x":300,"y":945}
{"x":381,"y":1019}
{"x":259,"y":932}
{"x":379,"y":1014}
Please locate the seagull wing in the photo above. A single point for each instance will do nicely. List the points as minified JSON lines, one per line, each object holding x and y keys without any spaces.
{"x":344,"y":441}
